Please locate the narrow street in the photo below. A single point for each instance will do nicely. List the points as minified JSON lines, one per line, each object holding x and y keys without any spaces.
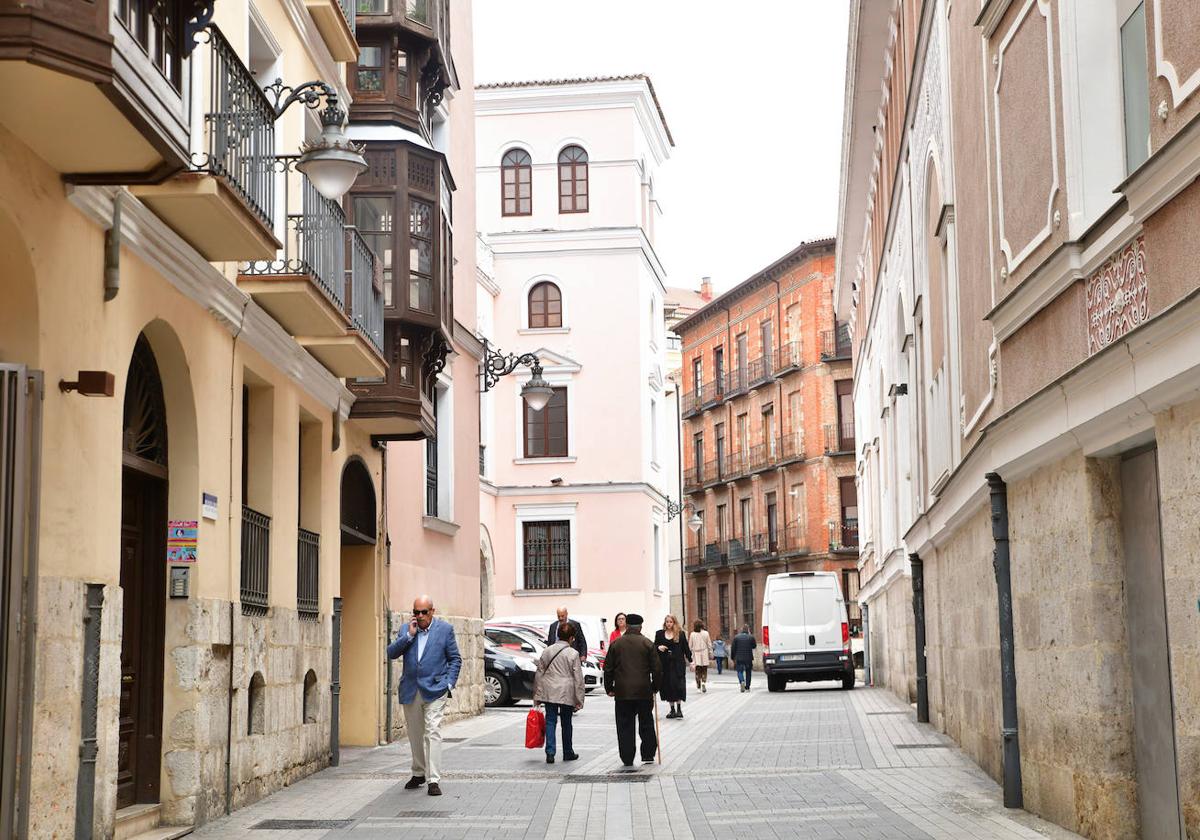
{"x":814,"y":762}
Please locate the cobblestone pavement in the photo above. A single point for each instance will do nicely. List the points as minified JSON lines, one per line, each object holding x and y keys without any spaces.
{"x":812,"y":762}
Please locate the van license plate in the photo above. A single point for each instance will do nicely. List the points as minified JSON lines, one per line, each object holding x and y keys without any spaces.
{"x":793,"y":657}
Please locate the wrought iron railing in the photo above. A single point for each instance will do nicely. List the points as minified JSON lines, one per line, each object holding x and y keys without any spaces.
{"x":308,"y":565}
{"x":239,"y":129}
{"x":712,"y":470}
{"x":256,"y":560}
{"x":364,"y":287}
{"x":791,"y":446}
{"x":314,"y":241}
{"x":761,"y":369}
{"x":843,"y":536}
{"x":693,"y":477}
{"x":548,"y":563}
{"x":348,"y":12}
{"x":794,"y":540}
{"x":836,"y":343}
{"x":839,"y":437}
{"x":789,"y":356}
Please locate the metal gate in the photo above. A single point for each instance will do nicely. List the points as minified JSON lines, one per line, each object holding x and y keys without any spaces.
{"x":20,"y":438}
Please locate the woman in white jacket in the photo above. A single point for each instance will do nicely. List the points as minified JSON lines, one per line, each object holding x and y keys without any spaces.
{"x":701,"y":647}
{"x":558,"y":684}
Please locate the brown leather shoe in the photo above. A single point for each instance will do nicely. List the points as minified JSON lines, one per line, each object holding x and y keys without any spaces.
{"x":434,"y":789}
{"x":414,"y":783}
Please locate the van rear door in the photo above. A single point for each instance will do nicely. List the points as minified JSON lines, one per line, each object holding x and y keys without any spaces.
{"x":787,"y":621}
{"x":822,"y":615}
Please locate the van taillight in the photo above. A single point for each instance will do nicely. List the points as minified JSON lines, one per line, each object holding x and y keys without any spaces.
{"x":846,"y":635}
{"x":766,"y":638}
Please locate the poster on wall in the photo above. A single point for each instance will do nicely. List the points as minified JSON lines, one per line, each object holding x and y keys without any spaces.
{"x":181,"y":541}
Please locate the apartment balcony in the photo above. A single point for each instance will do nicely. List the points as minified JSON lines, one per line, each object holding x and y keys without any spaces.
{"x":96,"y":89}
{"x":760,"y":370}
{"x":839,"y":438}
{"x":791,"y":447}
{"x":793,"y":541}
{"x":703,"y":558}
{"x":738,"y":552}
{"x":788,"y":358}
{"x":225,"y":206}
{"x":335,"y":20}
{"x":693,"y":478}
{"x":843,"y":536}
{"x":836,"y":344}
{"x":703,"y":396}
{"x":737,"y":464}
{"x":322,"y":286}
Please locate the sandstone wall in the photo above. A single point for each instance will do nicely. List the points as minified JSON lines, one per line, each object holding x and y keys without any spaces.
{"x":893,"y":662}
{"x":1178,"y":432}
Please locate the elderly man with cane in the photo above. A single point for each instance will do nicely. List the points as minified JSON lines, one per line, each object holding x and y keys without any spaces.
{"x":632,"y":673}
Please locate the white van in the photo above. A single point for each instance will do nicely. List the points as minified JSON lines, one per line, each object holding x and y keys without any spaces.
{"x":806,"y":631}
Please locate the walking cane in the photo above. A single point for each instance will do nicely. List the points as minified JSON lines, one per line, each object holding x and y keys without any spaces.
{"x":657,"y":737}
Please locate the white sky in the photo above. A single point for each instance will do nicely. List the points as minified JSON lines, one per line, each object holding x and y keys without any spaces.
{"x":752,"y":92}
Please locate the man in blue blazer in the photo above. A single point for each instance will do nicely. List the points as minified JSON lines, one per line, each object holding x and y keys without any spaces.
{"x":431,"y":666}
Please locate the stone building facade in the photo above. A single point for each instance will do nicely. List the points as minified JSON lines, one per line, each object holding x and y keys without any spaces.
{"x":768,"y":440}
{"x":193,"y":518}
{"x":1018,"y":180}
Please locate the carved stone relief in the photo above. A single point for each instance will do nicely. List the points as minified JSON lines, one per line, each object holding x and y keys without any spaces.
{"x":1117,"y":296}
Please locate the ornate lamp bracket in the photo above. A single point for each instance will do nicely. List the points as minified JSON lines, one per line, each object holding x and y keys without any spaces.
{"x":310,"y":94}
{"x":497,"y":364}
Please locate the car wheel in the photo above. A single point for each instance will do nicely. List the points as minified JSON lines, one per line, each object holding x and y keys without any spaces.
{"x":848,"y":681}
{"x":495,"y":689}
{"x":776,"y":683}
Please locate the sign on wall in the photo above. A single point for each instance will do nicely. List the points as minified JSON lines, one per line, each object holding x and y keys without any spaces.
{"x":181,"y":541}
{"x":1117,"y":296}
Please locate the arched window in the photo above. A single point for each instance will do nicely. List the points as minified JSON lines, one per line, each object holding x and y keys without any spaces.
{"x":572,"y":180}
{"x":545,"y":306}
{"x":516,"y":182}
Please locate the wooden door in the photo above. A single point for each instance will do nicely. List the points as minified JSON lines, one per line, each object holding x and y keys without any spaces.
{"x":143,"y":582}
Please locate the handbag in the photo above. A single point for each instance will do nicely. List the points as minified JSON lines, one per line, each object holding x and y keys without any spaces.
{"x":535,"y":730}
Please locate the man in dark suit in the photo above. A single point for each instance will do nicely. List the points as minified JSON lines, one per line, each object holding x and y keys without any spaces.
{"x":632,"y":672}
{"x":580,"y":643}
{"x":742,"y":653}
{"x":431,"y":666}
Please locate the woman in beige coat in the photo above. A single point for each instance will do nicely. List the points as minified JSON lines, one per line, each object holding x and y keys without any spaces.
{"x":701,"y":647}
{"x":558,"y":684}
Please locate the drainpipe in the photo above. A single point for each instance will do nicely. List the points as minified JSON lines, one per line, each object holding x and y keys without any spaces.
{"x":387,"y":580}
{"x":866,"y":631}
{"x":85,"y":784}
{"x":335,"y":685}
{"x":112,"y":252}
{"x":230,"y":516}
{"x":1013,"y":797}
{"x":918,"y":588}
{"x":682,"y":510}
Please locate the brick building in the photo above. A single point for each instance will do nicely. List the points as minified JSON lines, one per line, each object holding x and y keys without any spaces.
{"x":768,"y":439}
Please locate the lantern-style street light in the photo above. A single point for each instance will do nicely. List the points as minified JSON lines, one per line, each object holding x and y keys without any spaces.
{"x":334,"y":161}
{"x":674,"y":509}
{"x":536,"y":392}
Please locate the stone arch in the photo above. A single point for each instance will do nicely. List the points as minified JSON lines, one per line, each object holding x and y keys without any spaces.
{"x":358,"y":508}
{"x":19,"y":313}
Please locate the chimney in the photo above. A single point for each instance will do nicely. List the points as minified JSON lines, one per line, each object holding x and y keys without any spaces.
{"x":706,"y":289}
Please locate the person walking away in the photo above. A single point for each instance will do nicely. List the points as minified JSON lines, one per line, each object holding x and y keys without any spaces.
{"x":632,"y":672}
{"x":558,"y":685}
{"x":431,"y":666}
{"x":719,"y":655}
{"x":619,"y":625}
{"x":675,"y":656}
{"x":700,"y":644}
{"x":580,"y":643}
{"x":742,"y":653}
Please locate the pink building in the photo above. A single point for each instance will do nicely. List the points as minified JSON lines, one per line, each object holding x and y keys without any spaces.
{"x":573,"y":498}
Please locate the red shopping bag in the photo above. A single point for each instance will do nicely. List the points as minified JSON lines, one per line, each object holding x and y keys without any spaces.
{"x":535,"y":730}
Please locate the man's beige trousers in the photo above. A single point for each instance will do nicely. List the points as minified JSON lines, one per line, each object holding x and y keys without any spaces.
{"x":423,"y":719}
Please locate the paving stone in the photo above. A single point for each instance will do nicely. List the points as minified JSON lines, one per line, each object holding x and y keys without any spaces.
{"x":812,"y":762}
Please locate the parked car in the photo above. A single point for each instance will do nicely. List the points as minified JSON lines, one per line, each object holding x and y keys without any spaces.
{"x":528,"y":639}
{"x":806,"y":630}
{"x":595,"y":628}
{"x":507,"y":675}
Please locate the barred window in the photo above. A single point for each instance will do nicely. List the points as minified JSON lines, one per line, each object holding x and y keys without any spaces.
{"x":547,"y":557}
{"x":702,"y":604}
{"x":748,"y":604}
{"x":723,"y":608}
{"x":516,"y":182}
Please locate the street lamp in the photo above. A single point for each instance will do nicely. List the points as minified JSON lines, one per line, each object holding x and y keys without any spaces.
{"x":674,"y":509}
{"x":334,"y":161}
{"x":536,"y":392}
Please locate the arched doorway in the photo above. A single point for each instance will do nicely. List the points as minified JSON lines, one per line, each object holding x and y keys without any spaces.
{"x":143,"y":579}
{"x":361,"y":596}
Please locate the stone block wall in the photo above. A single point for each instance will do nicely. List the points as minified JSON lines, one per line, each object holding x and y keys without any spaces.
{"x":893,"y":663}
{"x":468,"y":694}
{"x":1178,"y":433}
{"x":1074,"y":693}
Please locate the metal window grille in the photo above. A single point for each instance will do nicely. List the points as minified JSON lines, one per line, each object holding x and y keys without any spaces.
{"x":239,"y":129}
{"x":431,"y":476}
{"x":547,"y":556}
{"x":723,"y":608}
{"x":702,"y":604}
{"x":256,"y":560}
{"x":482,"y":459}
{"x":308,"y":564}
